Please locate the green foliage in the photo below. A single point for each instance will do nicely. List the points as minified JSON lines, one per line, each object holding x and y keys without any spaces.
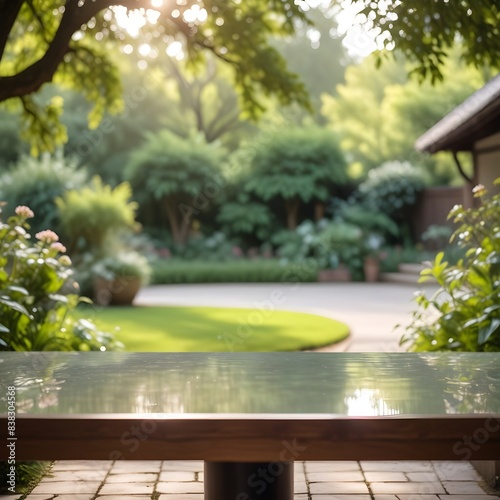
{"x":27,"y":475}
{"x":11,"y":146}
{"x":317,"y":55}
{"x":83,"y":56}
{"x":37,"y":295}
{"x":215,"y":247}
{"x":367,"y":220}
{"x":392,"y":189}
{"x":123,"y":264}
{"x":297,"y":165}
{"x":246,"y":218}
{"x":426,"y":31}
{"x":37,"y":183}
{"x":322,"y":245}
{"x":94,"y":214}
{"x":379,"y":114}
{"x":464,"y":315}
{"x":180,"y":177}
{"x":255,"y":271}
{"x":344,"y":243}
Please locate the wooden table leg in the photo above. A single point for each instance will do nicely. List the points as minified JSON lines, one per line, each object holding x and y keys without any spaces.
{"x":248,"y":481}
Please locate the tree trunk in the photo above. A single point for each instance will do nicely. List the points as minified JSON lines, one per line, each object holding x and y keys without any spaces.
{"x":174,"y":224}
{"x":292,"y":212}
{"x":319,"y":210}
{"x":184,"y":230}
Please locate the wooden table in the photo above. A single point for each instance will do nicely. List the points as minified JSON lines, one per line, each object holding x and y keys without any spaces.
{"x":249,"y":416}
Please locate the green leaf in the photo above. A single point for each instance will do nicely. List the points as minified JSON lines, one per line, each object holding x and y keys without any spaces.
{"x":14,"y":305}
{"x":18,"y":289}
{"x":486,"y":332}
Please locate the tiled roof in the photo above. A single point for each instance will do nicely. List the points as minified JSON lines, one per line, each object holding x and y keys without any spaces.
{"x":477,"y":117}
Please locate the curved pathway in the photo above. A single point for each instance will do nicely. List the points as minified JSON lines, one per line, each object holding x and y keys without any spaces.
{"x":371,"y":310}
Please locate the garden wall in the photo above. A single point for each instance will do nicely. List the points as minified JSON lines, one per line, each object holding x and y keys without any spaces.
{"x":433,"y":207}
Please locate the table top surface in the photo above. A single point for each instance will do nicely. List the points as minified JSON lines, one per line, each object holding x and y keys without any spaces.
{"x":183,"y":384}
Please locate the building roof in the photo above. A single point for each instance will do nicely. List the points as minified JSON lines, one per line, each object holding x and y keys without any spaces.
{"x":476,"y":118}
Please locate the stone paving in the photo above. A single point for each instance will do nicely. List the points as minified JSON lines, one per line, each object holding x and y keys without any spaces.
{"x":168,"y":480}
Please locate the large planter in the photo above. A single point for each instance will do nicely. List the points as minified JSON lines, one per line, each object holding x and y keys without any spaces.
{"x":118,"y":292}
{"x":341,"y":274}
{"x":371,"y":267}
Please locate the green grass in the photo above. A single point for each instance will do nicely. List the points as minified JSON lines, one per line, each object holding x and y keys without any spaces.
{"x":217,"y":329}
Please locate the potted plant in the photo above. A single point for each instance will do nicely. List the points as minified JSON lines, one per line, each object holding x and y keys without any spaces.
{"x":371,"y":262}
{"x":118,"y":278}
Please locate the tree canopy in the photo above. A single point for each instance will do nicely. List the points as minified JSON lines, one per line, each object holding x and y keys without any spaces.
{"x":297,"y":165}
{"x":425,"y":31}
{"x":180,"y":176}
{"x":379,"y":115}
{"x":75,"y":42}
{"x":68,"y":42}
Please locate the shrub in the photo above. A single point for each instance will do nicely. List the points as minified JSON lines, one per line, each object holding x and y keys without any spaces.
{"x":180,"y":177}
{"x":123,"y":264}
{"x":464,"y":315}
{"x":37,"y":296}
{"x":392,"y":189}
{"x":242,"y":218}
{"x":256,"y":271}
{"x":92,"y":215}
{"x":326,"y":243}
{"x":37,"y":183}
{"x":297,"y":166}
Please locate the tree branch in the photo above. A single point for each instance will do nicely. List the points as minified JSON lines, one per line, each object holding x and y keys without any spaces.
{"x":42,"y":71}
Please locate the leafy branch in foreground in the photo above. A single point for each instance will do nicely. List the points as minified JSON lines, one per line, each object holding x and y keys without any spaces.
{"x":464,"y":314}
{"x":37,"y":296}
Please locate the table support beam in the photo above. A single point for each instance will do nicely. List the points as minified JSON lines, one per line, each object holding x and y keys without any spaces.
{"x":248,"y":480}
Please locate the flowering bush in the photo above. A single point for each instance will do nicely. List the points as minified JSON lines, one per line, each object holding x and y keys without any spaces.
{"x":392,"y":189}
{"x":464,"y":314}
{"x":37,"y":295}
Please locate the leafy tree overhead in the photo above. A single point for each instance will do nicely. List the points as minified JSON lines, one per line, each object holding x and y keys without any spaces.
{"x":316,"y":54}
{"x":72,"y":42}
{"x":180,"y":176}
{"x":69,"y":42}
{"x":425,"y":31}
{"x":295,"y":166}
{"x":205,"y":102}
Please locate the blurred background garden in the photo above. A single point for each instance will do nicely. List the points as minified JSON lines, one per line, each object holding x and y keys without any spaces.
{"x":290,"y":156}
{"x":183,"y":186}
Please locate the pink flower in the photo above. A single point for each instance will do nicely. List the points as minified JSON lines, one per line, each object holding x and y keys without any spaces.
{"x":47,"y":236}
{"x":58,"y":247}
{"x":237,"y":251}
{"x":24,"y":211}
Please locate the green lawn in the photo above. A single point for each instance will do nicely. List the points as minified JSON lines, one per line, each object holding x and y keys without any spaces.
{"x":217,"y":329}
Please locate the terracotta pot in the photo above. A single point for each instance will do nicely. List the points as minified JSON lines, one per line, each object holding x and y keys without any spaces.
{"x":341,"y":274}
{"x":371,"y":266}
{"x":118,"y":292}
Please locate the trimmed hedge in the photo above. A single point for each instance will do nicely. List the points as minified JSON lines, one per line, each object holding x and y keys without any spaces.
{"x":255,"y":271}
